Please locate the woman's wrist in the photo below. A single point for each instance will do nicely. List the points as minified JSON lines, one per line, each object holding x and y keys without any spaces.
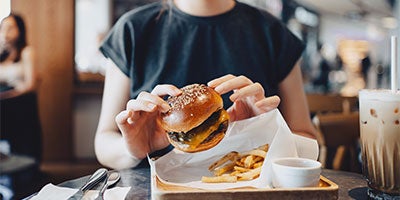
{"x":130,"y":159}
{"x":112,"y":152}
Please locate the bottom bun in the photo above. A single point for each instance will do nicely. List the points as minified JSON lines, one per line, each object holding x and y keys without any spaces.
{"x":217,"y":137}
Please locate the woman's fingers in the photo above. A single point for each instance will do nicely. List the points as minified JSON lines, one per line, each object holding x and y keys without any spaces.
{"x":141,"y":105}
{"x":214,"y":83}
{"x":149,"y":101}
{"x":146,"y":102}
{"x":159,"y":91}
{"x":268,"y":104}
{"x":253,"y":90}
{"x":166,"y":89}
{"x":124,"y":120}
{"x":230,"y":83}
{"x":122,"y":117}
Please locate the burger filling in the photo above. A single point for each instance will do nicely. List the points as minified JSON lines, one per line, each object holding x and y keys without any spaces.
{"x":215,"y":124}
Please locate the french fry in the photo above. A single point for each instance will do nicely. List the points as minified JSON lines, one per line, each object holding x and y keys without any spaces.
{"x":254,"y":173}
{"x":230,"y":156}
{"x":242,"y":159}
{"x":240,"y":169}
{"x":219,"y":179}
{"x":258,"y":164}
{"x":240,"y":164}
{"x":226,"y":168}
{"x":236,"y":172}
{"x":248,"y":161}
{"x":234,"y":167}
{"x":264,"y":147}
{"x":256,"y":152}
{"x":257,"y":159}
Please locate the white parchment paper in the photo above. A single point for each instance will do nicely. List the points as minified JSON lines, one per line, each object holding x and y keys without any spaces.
{"x":186,"y":169}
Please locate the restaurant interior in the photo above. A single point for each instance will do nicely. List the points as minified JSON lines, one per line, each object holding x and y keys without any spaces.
{"x":347,"y":49}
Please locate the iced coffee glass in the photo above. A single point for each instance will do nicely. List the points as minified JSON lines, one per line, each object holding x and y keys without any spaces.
{"x":380,"y":142}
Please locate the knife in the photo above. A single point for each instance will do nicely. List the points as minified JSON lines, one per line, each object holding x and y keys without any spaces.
{"x":94,"y":179}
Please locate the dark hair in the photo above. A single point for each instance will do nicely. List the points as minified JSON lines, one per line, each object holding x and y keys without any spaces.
{"x":21,"y":40}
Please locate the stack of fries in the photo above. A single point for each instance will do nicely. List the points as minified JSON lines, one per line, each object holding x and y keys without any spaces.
{"x":236,"y":166}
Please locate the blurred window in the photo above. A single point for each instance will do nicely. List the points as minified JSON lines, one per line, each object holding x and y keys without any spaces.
{"x":92,"y":21}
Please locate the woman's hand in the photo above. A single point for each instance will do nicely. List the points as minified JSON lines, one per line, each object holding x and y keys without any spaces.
{"x":248,"y":98}
{"x":140,"y":123}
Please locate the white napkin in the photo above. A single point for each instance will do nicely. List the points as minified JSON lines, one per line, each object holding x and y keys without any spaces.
{"x":51,"y":192}
{"x":186,"y":169}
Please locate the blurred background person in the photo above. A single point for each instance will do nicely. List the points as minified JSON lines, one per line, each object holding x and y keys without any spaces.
{"x":321,"y":82}
{"x":365,"y":65}
{"x":18,"y":74}
{"x":20,"y":127}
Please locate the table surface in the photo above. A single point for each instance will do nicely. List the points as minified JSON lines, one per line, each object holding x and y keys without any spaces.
{"x":351,"y":185}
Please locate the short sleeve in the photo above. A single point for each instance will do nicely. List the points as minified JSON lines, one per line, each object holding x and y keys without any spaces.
{"x":288,"y":49}
{"x":119,"y":45}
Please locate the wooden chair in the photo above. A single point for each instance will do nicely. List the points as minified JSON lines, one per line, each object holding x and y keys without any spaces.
{"x":328,"y":103}
{"x":339,"y":142}
{"x":322,"y":103}
{"x":350,"y":104}
{"x":336,"y":119}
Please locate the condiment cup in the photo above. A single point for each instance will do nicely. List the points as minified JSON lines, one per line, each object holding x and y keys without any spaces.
{"x":294,"y":172}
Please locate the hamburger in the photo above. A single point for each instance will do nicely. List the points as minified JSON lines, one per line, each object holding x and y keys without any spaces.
{"x":197,"y":120}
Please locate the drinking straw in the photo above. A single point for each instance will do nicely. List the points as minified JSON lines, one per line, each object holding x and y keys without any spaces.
{"x":394,"y":63}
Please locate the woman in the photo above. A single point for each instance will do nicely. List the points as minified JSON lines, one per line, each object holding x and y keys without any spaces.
{"x":160,"y":47}
{"x":18,"y":74}
{"x":18,"y":82}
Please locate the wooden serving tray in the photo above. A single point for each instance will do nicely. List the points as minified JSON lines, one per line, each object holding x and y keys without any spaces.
{"x":326,"y":190}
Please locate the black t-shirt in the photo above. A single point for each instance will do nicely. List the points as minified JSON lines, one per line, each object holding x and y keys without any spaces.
{"x":172,"y":47}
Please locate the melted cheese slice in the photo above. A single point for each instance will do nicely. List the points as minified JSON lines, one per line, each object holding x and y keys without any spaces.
{"x":201,"y":136}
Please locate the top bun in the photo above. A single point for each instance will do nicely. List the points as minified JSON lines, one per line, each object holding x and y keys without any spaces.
{"x":191,"y":108}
